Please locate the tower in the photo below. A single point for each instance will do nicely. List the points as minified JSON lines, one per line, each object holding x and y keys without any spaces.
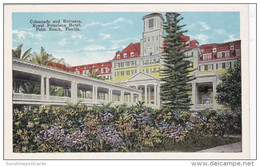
{"x":152,"y":41}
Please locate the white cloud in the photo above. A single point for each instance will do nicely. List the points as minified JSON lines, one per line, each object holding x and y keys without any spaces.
{"x":24,"y":34}
{"x":204,"y":25}
{"x":202,"y":38}
{"x":105,"y":36}
{"x":231,"y":37}
{"x":77,"y":36}
{"x":63,"y":42}
{"x":220,"y":31}
{"x":197,"y":26}
{"x":94,"y":48}
{"x":121,"y":19}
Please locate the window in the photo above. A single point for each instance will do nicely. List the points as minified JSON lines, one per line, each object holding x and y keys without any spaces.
{"x":227,"y":54}
{"x":102,"y":70}
{"x":228,"y":65}
{"x":115,"y":74}
{"x":147,"y":70}
{"x":158,"y":70}
{"x":118,"y":56}
{"x":238,"y":52}
{"x":151,"y":53}
{"x":232,"y":47}
{"x":214,"y":50}
{"x":127,"y":72}
{"x":144,"y":39}
{"x":127,"y":64}
{"x":210,"y":66}
{"x":152,"y":38}
{"x":132,"y":54}
{"x":220,"y":65}
{"x":217,"y":66}
{"x":157,"y":37}
{"x":132,"y":63}
{"x":148,"y":38}
{"x":201,"y":68}
{"x":223,"y":65}
{"x":107,"y":69}
{"x":125,"y":55}
{"x":150,"y":23}
{"x":122,"y":73}
{"x":122,"y":64}
{"x":207,"y":56}
{"x":158,"y":60}
{"x":206,"y":68}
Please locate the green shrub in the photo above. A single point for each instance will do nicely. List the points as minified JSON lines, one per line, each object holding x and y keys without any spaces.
{"x":76,"y":128}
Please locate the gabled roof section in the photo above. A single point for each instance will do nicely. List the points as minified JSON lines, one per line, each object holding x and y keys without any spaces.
{"x":126,"y":52}
{"x":141,"y":76}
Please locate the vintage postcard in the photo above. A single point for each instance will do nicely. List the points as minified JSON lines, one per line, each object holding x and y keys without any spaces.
{"x":126,"y":81}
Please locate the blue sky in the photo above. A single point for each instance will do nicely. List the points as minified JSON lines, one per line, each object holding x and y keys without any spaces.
{"x":102,"y":34}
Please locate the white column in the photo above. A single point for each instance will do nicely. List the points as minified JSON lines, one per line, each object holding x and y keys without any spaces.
{"x":159,"y":95}
{"x":122,"y":96}
{"x":214,"y":86}
{"x":47,"y":87}
{"x":155,"y":94}
{"x":42,"y":87}
{"x":149,"y":94}
{"x":132,"y":97}
{"x":94,"y":92}
{"x":140,"y":97}
{"x":110,"y":95}
{"x":145,"y":94}
{"x":76,"y":92}
{"x":194,"y":94}
{"x":72,"y":91}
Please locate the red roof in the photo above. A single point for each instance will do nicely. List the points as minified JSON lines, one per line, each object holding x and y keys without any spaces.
{"x":208,"y":48}
{"x":188,"y":44}
{"x":135,"y":48}
{"x":94,"y":66}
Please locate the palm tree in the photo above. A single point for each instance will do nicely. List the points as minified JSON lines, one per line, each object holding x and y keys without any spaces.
{"x":93,"y":74}
{"x":43,"y":59}
{"x":17,"y":53}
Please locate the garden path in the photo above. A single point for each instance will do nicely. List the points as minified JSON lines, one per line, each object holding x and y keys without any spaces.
{"x":234,"y":147}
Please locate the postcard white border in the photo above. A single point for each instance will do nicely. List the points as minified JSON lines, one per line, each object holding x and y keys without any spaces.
{"x":244,"y":35}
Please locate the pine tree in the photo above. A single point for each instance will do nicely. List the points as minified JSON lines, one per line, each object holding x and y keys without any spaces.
{"x":175,"y":75}
{"x":229,"y":90}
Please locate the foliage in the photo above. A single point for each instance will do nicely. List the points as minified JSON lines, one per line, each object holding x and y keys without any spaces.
{"x":44,"y":58}
{"x":77,"y":128}
{"x":176,"y":75}
{"x":17,"y":53}
{"x":229,"y":90}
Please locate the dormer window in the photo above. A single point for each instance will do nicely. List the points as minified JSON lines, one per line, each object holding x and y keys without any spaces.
{"x":132,"y":54}
{"x":118,"y":56}
{"x":214,"y":50}
{"x":125,"y":55}
{"x":232,"y":47}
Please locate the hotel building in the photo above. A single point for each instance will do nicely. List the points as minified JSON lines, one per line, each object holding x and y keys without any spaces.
{"x":139,"y":65}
